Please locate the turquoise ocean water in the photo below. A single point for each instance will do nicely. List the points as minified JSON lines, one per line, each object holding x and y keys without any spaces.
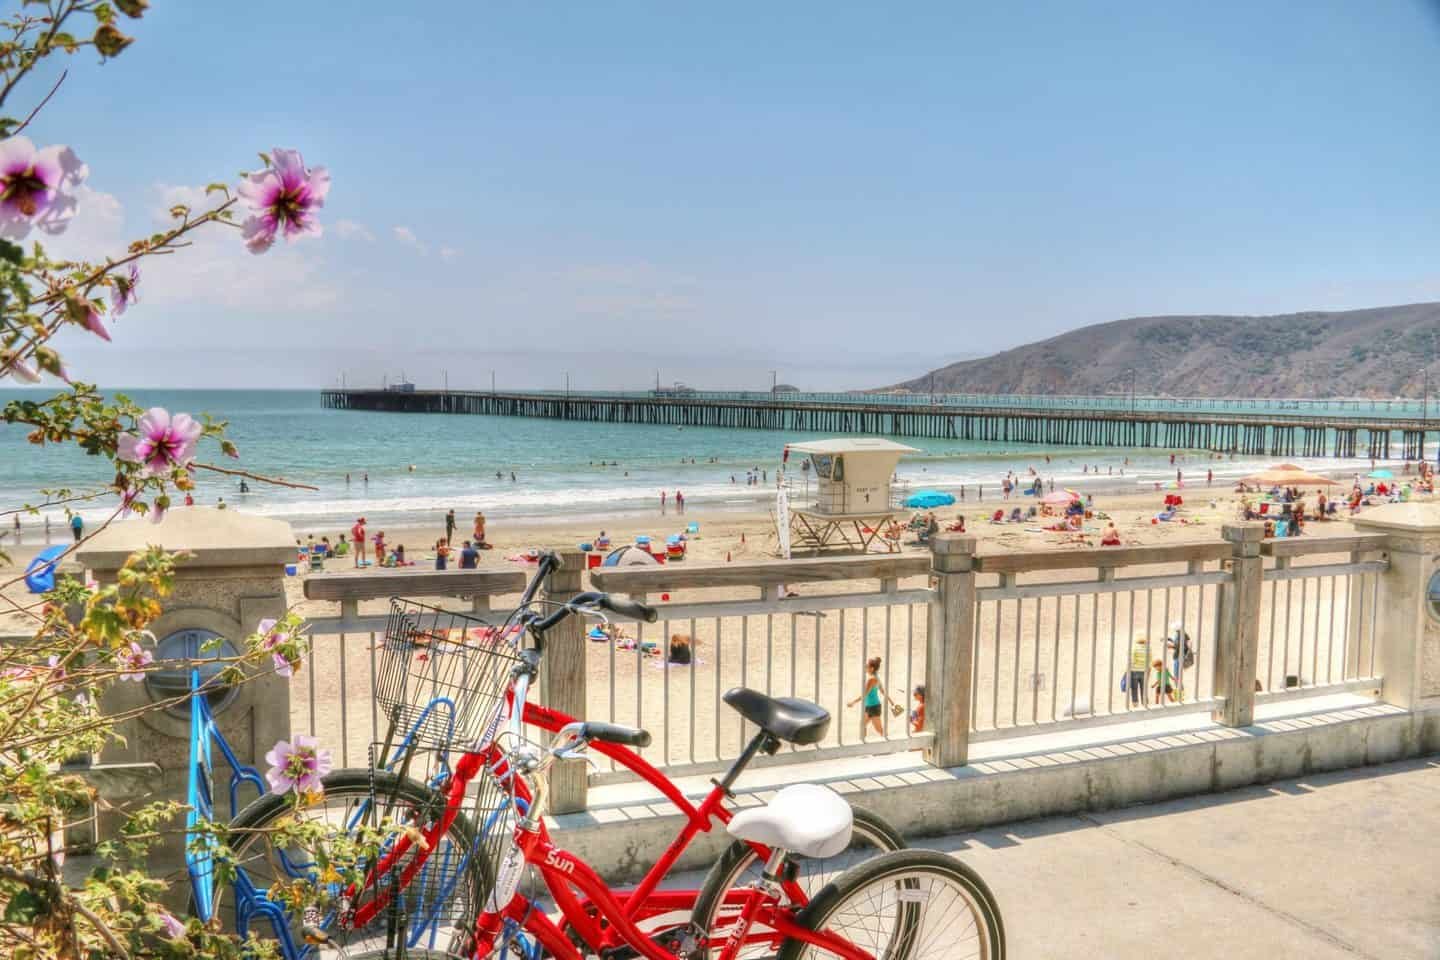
{"x":289,"y":434}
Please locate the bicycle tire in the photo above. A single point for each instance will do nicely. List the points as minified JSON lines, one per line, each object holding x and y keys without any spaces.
{"x":728,"y":872}
{"x":907,"y":938}
{"x":342,"y":785}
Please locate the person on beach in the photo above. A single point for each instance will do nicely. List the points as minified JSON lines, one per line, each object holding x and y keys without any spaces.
{"x":357,"y":534}
{"x":219,"y":503}
{"x":917,"y":716}
{"x":1139,"y":664}
{"x":189,"y":500}
{"x":873,"y":696}
{"x":679,"y":501}
{"x":478,"y":530}
{"x":662,"y":501}
{"x":450,"y":525}
{"x":343,"y":547}
{"x":442,"y":554}
{"x":469,"y":556}
{"x":1111,"y":536}
{"x":77,"y":527}
{"x":380,"y":546}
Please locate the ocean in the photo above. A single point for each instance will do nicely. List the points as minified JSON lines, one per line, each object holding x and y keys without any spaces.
{"x":557,"y":464}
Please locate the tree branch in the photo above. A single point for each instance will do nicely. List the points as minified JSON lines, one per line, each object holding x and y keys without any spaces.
{"x":228,"y":471}
{"x":62,"y":895}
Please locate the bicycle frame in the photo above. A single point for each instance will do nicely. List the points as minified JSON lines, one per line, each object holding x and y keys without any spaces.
{"x":634,"y":906}
{"x":562,"y":872}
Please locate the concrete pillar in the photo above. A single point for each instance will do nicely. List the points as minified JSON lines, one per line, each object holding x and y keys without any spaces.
{"x":234,"y":577}
{"x":1407,"y":632}
{"x":563,"y":678}
{"x":1238,"y":629}
{"x":950,"y":649}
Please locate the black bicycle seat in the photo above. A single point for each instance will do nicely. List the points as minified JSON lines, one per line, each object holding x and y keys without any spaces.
{"x":786,"y":718}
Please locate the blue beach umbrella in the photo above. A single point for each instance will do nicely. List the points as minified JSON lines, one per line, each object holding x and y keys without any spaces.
{"x":1381,"y":474}
{"x":928,"y":500}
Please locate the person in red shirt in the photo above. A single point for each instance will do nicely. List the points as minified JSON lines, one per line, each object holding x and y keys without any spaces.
{"x":357,"y":535}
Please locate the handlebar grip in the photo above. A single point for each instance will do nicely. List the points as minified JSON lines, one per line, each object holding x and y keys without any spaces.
{"x":630,"y":608}
{"x":616,"y":733}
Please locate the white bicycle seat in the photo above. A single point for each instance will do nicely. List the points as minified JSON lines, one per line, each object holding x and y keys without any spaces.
{"x":804,"y":819}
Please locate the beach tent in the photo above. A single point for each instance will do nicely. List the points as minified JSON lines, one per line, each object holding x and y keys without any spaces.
{"x":1289,"y":475}
{"x":629,"y":556}
{"x":40,"y":574}
{"x":928,"y":500}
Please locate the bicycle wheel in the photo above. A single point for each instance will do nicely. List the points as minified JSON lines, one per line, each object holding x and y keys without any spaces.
{"x":740,"y":867}
{"x":442,"y":895}
{"x":906,"y":905}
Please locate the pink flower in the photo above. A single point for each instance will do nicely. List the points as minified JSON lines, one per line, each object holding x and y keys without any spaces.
{"x":286,"y":196}
{"x":94,"y":324}
{"x":134,"y":660}
{"x":125,"y":287}
{"x":164,"y":441}
{"x":271,"y":639}
{"x":19,"y":369}
{"x":297,"y":766}
{"x":173,"y":928}
{"x":31,"y":183}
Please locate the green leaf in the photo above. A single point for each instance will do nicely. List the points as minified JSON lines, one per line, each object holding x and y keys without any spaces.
{"x":24,"y":907}
{"x":11,"y":252}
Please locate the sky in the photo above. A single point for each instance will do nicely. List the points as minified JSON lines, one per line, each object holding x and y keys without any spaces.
{"x":844,"y":194}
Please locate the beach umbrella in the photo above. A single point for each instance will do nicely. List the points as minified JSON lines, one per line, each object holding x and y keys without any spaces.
{"x":928,"y":499}
{"x":1381,"y":474}
{"x":1060,"y":497}
{"x":1289,"y":475}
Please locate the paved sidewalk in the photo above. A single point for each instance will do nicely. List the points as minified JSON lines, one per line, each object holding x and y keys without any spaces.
{"x":1336,"y":865}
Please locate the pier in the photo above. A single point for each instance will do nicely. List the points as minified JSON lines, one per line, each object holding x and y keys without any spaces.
{"x":1283,"y":431}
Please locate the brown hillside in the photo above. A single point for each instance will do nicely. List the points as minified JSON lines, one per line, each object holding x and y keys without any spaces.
{"x":1378,"y":352}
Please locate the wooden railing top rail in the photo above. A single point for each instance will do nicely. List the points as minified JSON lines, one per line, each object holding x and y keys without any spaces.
{"x":381,"y":584}
{"x":636,"y":580}
{"x":1032,"y":561}
{"x":1308,"y":545}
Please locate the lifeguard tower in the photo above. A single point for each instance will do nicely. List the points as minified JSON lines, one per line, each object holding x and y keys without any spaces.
{"x":843,"y":496}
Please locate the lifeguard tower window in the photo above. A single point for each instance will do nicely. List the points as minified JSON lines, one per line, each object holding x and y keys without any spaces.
{"x":192,"y":650}
{"x":822,"y":465}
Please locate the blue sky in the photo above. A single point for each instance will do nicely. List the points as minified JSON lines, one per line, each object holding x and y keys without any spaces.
{"x":851,"y":193}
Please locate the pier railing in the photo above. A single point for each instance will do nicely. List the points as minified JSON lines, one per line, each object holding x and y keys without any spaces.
{"x":1003,"y":644}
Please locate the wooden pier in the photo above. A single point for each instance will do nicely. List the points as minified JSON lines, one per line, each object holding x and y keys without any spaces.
{"x":1282,"y":434}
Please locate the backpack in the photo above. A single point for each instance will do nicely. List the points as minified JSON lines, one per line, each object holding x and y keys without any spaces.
{"x":1187,"y":650}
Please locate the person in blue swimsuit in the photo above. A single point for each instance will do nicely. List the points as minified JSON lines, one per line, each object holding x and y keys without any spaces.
{"x":874,"y":696}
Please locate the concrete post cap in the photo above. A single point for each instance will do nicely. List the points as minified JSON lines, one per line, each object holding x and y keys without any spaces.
{"x":1244,"y":531}
{"x":217,"y":538}
{"x":953,"y":543}
{"x":1413,"y":517}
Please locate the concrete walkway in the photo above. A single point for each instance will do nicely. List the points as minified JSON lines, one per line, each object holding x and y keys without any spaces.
{"x":1336,"y":865}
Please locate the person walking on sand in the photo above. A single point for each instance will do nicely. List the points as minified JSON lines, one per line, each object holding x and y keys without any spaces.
{"x":77,"y":526}
{"x":679,"y":501}
{"x":357,"y":537}
{"x":478,"y":530}
{"x":873,"y":696}
{"x":450,"y":525}
{"x":662,"y":501}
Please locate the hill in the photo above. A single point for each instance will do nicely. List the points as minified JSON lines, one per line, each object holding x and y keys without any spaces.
{"x":1378,"y":352}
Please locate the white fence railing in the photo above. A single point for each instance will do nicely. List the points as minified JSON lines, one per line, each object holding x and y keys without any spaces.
{"x":1057,"y":639}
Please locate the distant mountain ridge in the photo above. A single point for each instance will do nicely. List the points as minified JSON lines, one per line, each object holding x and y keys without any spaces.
{"x":1376,"y":352}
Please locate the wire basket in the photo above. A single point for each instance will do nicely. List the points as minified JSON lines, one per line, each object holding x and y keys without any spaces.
{"x":441,"y":676}
{"x":430,"y":898}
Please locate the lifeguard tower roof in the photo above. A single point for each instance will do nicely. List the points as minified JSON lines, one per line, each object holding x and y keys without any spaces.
{"x":851,"y":445}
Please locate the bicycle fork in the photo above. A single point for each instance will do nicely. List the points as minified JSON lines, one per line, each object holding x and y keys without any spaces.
{"x":767,"y":890}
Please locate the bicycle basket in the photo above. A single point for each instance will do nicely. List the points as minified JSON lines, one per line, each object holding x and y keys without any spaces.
{"x":441,"y":676}
{"x":442,"y":888}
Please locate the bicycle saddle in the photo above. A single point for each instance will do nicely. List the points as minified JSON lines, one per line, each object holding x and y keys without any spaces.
{"x":805,"y":819}
{"x":787,"y":718}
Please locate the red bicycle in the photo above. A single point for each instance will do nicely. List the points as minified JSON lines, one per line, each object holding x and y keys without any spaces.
{"x":481,"y":824}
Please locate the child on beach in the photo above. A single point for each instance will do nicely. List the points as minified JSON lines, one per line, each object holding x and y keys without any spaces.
{"x":917,"y":716}
{"x":442,"y":553}
{"x":380,"y":547}
{"x":1164,"y":682}
{"x":872,"y":695}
